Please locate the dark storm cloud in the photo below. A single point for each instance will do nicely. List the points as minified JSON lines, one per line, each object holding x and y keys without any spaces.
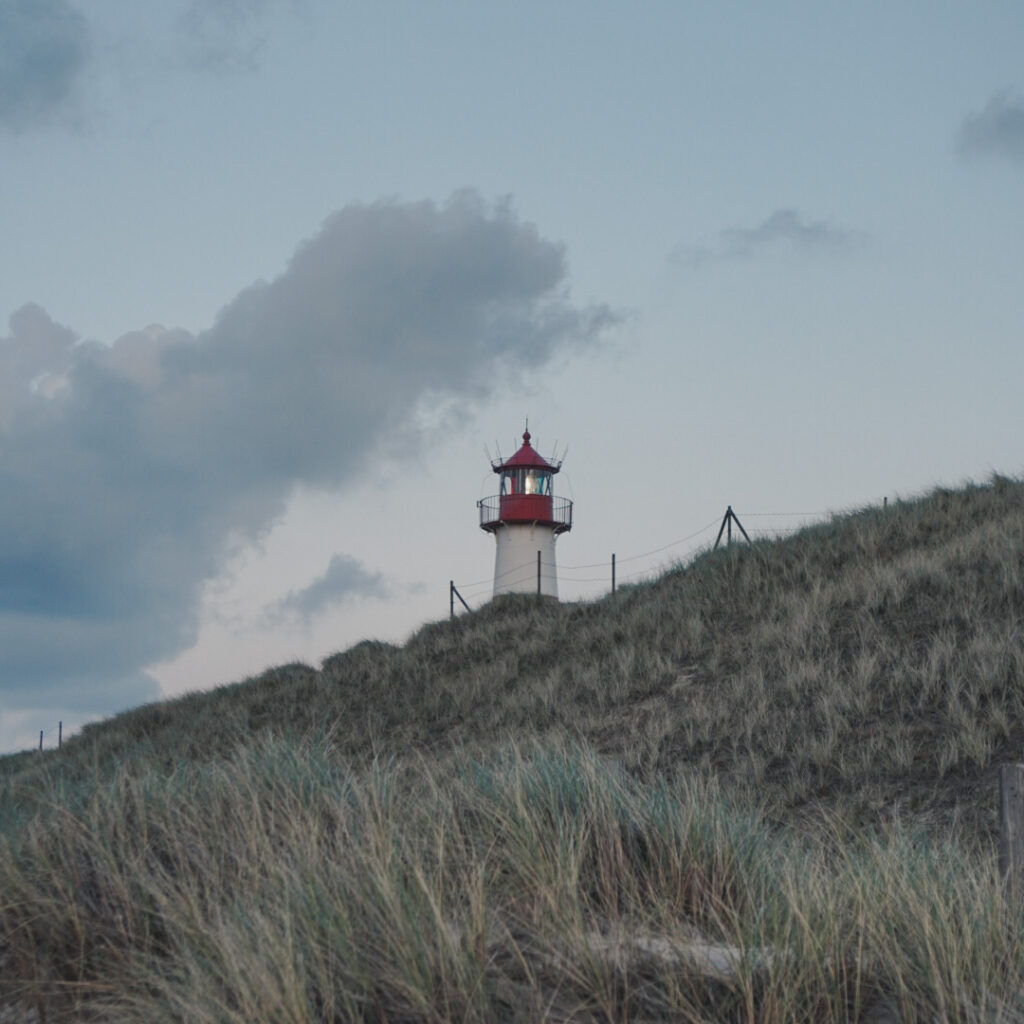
{"x":783,"y":227}
{"x":44,"y":50}
{"x":995,"y":130}
{"x":344,"y":579}
{"x":126,"y":470}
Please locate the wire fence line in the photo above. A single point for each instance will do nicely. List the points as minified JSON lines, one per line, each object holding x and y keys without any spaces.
{"x":479,"y":592}
{"x":653,"y":551}
{"x":51,"y":734}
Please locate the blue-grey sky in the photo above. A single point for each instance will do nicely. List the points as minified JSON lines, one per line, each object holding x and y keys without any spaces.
{"x":274,"y":271}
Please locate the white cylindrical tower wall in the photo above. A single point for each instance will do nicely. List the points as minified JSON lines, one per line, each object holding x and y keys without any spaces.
{"x":515,"y":561}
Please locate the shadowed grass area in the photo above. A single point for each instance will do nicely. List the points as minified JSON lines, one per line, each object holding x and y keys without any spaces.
{"x":782,"y":753}
{"x":279,"y":885}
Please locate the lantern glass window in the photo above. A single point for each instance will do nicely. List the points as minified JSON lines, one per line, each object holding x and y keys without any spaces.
{"x":526,"y":481}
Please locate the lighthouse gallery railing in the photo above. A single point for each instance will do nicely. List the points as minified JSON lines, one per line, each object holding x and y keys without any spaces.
{"x":555,"y":512}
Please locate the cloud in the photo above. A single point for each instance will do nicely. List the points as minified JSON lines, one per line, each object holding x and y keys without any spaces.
{"x":49,"y":48}
{"x":44,"y":50}
{"x":127,"y":470}
{"x":995,"y":130}
{"x":225,"y":35}
{"x":784,"y":227}
{"x":345,"y":578}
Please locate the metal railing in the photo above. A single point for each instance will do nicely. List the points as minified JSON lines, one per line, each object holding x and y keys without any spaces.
{"x":556,"y":512}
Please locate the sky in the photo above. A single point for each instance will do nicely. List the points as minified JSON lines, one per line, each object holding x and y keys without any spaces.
{"x":277,"y":275}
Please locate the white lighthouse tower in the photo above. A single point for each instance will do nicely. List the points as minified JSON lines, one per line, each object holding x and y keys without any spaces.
{"x":526,"y":519}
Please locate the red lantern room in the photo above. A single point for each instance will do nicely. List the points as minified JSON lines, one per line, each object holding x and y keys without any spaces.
{"x":526,"y":493}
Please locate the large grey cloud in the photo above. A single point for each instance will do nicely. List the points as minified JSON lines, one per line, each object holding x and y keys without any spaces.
{"x":783,"y":227}
{"x":124,"y":470}
{"x":44,"y":50}
{"x":995,"y":130}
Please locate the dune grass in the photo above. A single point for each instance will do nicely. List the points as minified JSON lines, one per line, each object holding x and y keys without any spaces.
{"x":870,"y":663}
{"x":759,"y":787}
{"x":545,"y":884}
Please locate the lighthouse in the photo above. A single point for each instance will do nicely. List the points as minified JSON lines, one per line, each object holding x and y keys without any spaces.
{"x":525,"y":519}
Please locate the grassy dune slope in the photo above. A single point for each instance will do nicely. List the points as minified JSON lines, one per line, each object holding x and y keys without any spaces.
{"x":760,"y":787}
{"x":873,"y":662}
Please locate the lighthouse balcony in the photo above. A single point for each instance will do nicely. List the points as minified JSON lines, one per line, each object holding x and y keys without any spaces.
{"x":525,"y":509}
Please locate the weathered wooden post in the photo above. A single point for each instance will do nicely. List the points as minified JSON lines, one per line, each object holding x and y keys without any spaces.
{"x":728,"y":519}
{"x":453,"y":592}
{"x":1011,"y":824}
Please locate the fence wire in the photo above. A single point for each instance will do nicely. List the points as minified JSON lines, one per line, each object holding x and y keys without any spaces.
{"x":478,"y":592}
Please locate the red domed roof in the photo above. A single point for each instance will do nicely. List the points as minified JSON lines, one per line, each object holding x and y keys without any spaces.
{"x":526,"y":457}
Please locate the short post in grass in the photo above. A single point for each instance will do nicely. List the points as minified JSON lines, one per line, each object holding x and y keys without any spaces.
{"x":1011,"y":824}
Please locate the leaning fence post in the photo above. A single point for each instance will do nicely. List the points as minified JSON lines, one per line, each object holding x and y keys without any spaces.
{"x":613,"y":572}
{"x":40,"y":739}
{"x":60,"y":735}
{"x":453,"y":592}
{"x":1011,"y":823}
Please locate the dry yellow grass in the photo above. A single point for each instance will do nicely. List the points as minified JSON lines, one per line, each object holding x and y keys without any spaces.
{"x":544,"y":884}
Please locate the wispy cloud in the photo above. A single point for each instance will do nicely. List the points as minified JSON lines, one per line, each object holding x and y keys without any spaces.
{"x":44,"y":51}
{"x":995,"y":130}
{"x":51,"y":50}
{"x":785,"y":227}
{"x":125,"y":470}
{"x":344,"y":579}
{"x":226,"y":35}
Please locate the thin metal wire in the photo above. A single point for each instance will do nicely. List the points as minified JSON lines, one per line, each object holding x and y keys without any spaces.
{"x":529,"y":569}
{"x":645,"y":554}
{"x":754,"y":515}
{"x":665,"y":547}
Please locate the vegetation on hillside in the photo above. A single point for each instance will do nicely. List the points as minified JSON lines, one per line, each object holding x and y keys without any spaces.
{"x":872,"y":663}
{"x":278,"y":886}
{"x":759,"y":787}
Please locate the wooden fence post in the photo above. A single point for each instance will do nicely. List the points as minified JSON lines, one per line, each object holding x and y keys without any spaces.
{"x":453,"y":592}
{"x":613,"y":572}
{"x":728,"y":519}
{"x":1011,"y":823}
{"x":538,"y":574}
